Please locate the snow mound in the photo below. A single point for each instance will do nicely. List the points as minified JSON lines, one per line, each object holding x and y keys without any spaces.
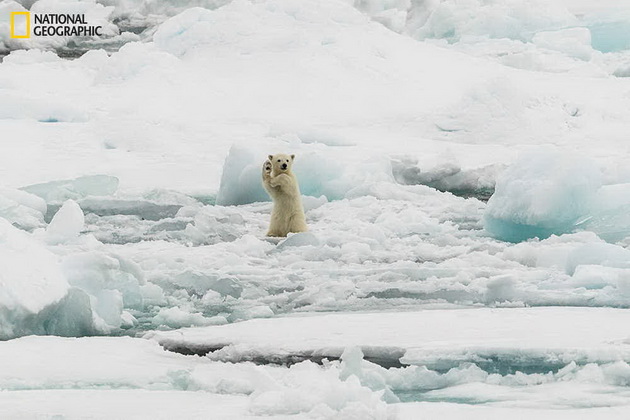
{"x":623,"y":70}
{"x":184,"y":31}
{"x":541,"y":194}
{"x":322,"y":394}
{"x":233,"y":27}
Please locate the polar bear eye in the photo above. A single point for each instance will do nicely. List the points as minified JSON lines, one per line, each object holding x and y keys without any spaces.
{"x":279,"y":160}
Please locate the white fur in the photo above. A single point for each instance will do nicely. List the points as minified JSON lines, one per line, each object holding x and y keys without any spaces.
{"x":282,"y":185}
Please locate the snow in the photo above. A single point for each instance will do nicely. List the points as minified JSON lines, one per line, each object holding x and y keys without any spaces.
{"x":131,"y":205}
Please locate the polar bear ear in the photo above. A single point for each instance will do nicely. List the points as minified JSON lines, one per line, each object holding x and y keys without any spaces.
{"x":292,"y":157}
{"x":270,"y":157}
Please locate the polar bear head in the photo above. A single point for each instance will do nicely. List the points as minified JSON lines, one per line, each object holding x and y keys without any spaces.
{"x":281,"y":163}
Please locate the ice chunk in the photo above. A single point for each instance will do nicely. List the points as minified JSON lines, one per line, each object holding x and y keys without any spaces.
{"x":455,"y":19}
{"x":67,"y":223}
{"x":35,"y":297}
{"x":331,"y":174}
{"x":542,"y":193}
{"x":212,"y":224}
{"x":112,"y":282}
{"x":176,"y":317}
{"x":22,"y":209}
{"x":611,"y":35}
{"x":447,"y":176}
{"x":299,"y":239}
{"x":145,"y":210}
{"x":71,"y":317}
{"x":604,"y":254}
{"x":170,"y":197}
{"x":59,"y":191}
{"x":241,"y":178}
{"x":311,"y":203}
{"x":610,"y":217}
{"x":31,"y":284}
{"x":575,"y":42}
{"x":200,"y":283}
{"x":262,"y":311}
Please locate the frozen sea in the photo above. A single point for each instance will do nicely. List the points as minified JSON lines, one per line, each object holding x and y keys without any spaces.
{"x":464,"y":171}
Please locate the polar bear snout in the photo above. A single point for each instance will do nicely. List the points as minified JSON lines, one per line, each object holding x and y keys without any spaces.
{"x":284,"y":166}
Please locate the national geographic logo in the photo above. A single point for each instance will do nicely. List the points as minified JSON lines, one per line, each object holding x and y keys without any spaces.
{"x":51,"y":24}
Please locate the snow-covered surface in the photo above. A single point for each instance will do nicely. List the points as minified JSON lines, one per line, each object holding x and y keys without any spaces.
{"x":160,"y":384}
{"x":462,"y":412}
{"x":131,"y":205}
{"x":101,"y":367}
{"x":136,"y":404}
{"x":429,"y":337}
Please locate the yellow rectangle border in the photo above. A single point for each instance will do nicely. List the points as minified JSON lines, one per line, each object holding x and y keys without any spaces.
{"x":28,"y":25}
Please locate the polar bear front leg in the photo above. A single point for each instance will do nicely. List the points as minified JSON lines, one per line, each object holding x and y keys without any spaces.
{"x":282,"y":180}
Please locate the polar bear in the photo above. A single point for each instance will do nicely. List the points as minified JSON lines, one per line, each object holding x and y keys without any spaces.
{"x":282,"y":185}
